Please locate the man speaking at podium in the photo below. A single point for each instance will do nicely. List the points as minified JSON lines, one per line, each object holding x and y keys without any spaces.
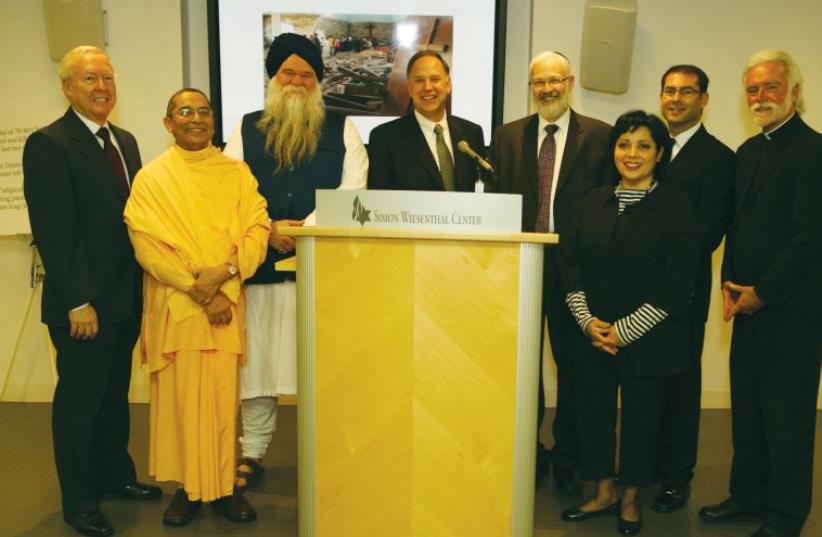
{"x":416,"y":151}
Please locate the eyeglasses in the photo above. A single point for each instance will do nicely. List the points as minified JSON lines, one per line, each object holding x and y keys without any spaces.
{"x":685,"y":92}
{"x":188,"y":112}
{"x":554,"y":82}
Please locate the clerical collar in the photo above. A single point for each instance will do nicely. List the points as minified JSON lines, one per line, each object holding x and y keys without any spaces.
{"x":768,"y":135}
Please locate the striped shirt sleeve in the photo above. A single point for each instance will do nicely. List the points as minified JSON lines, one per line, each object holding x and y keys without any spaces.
{"x":578,"y":304}
{"x":632,"y":327}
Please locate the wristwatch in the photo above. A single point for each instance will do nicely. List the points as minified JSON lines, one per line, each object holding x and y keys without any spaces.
{"x":232,"y":270}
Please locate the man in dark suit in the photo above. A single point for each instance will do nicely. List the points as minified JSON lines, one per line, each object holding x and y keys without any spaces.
{"x":553,"y":158}
{"x":417,"y":150}
{"x":702,"y":167}
{"x":772,"y":287}
{"x":76,"y":181}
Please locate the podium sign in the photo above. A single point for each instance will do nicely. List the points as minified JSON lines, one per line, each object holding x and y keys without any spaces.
{"x":413,"y":209}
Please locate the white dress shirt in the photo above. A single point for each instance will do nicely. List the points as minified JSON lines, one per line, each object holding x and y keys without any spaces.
{"x":427,"y":127}
{"x":94,"y":127}
{"x":682,"y":138}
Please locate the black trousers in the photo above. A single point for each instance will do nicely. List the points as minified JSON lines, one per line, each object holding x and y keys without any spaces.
{"x":596,"y":406}
{"x":774,"y":386}
{"x":90,"y":415}
{"x":679,"y":433}
{"x":563,"y":332}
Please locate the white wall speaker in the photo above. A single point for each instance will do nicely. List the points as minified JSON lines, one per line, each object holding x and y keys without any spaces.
{"x":608,"y":45}
{"x":71,"y":23}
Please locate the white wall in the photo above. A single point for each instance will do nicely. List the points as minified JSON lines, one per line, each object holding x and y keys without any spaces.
{"x":719,"y":37}
{"x":145,"y":45}
{"x":148,"y":45}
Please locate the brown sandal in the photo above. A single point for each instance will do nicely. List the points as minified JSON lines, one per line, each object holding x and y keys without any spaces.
{"x":249,"y":472}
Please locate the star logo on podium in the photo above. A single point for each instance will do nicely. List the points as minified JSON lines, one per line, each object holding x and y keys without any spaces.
{"x":360,"y":213}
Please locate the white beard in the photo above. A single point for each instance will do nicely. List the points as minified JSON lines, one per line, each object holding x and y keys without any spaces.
{"x":292,"y":121}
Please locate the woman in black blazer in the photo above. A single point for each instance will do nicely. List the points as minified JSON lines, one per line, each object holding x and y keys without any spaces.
{"x":629,"y":268}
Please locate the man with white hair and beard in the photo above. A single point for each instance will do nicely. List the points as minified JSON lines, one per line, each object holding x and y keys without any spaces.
{"x":772,"y":288}
{"x":553,"y":158}
{"x":294,"y":147}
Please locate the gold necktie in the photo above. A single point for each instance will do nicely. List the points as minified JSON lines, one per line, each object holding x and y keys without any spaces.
{"x":444,"y":158}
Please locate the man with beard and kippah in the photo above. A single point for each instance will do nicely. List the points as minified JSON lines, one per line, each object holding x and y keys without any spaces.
{"x":294,"y":147}
{"x":553,"y":158}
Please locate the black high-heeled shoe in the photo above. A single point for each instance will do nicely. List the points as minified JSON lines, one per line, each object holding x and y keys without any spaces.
{"x":575,"y":514}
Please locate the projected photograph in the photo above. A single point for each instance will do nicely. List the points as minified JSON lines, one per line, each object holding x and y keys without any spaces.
{"x":365,"y":56}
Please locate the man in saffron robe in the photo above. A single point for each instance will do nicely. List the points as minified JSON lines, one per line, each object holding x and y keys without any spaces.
{"x":199,"y":228}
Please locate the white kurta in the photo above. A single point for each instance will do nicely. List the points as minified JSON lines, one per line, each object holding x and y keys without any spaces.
{"x":271,"y":327}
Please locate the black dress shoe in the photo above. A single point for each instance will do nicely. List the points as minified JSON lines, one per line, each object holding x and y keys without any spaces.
{"x":575,"y":514}
{"x":671,"y":497}
{"x":629,"y":527}
{"x":729,"y":510}
{"x":236,"y":508}
{"x":133,"y":491}
{"x":568,"y":482}
{"x":766,"y":530}
{"x":181,"y":510}
{"x":90,"y":523}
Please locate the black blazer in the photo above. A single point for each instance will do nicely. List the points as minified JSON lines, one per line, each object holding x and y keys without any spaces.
{"x":399,"y":157}
{"x":704,"y":169}
{"x":585,"y":161}
{"x":75,"y":205}
{"x":775,"y":240}
{"x":649,"y":254}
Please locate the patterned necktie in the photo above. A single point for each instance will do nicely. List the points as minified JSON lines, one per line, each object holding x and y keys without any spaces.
{"x":545,"y":172}
{"x":444,"y":158}
{"x":113,"y":157}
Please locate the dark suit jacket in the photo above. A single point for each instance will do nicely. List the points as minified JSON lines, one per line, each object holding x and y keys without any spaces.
{"x":775,"y":240}
{"x":399,"y":157}
{"x":704,"y":169}
{"x":649,"y":254}
{"x":75,"y":205}
{"x":584,"y":163}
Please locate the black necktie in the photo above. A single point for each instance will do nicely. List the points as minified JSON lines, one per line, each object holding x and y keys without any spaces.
{"x":545,"y":172}
{"x":113,"y":157}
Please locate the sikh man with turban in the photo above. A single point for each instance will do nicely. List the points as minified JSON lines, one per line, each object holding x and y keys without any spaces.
{"x":199,"y":228}
{"x":294,"y":147}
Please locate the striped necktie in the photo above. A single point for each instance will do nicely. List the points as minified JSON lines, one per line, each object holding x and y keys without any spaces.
{"x":444,"y":158}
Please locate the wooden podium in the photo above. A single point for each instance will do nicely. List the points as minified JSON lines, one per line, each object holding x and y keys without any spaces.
{"x":418,"y":363}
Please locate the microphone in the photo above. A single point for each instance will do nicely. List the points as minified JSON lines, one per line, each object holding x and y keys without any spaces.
{"x":465,"y":148}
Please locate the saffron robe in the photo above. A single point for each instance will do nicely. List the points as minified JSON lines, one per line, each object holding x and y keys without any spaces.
{"x":188,"y":210}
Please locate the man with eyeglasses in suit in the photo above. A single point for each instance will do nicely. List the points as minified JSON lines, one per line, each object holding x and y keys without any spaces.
{"x":702,"y":167}
{"x":553,"y":158}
